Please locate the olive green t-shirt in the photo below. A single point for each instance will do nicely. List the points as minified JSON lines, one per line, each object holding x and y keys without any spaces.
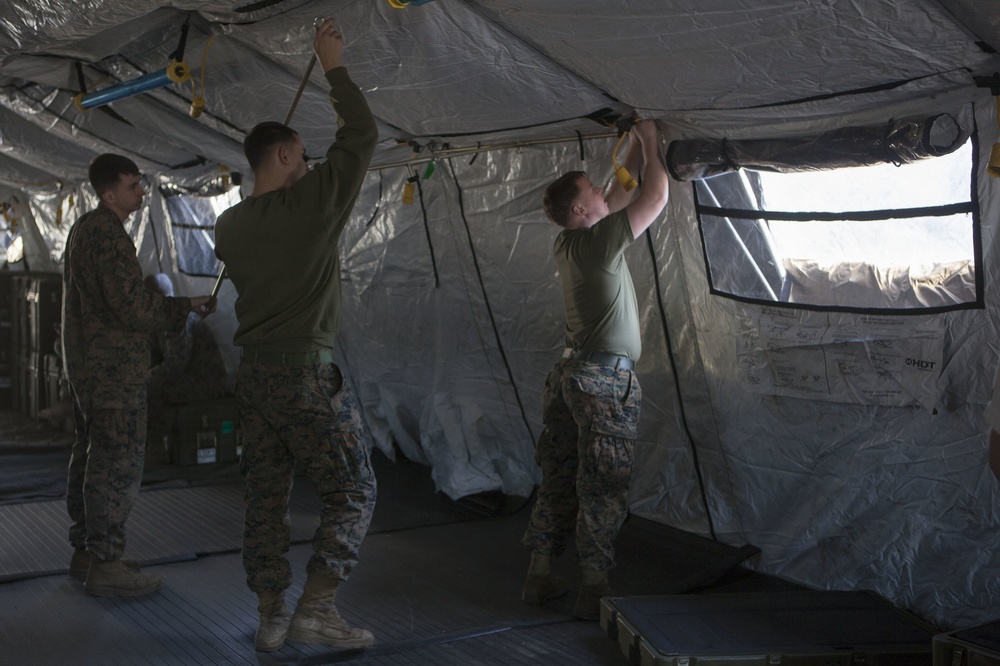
{"x":601,"y":310}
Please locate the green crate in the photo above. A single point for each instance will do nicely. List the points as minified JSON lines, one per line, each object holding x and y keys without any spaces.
{"x":978,"y":646}
{"x":808,"y":628}
{"x":204,"y":433}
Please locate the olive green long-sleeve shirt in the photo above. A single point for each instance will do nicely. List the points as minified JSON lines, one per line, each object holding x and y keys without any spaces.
{"x":280,"y":248}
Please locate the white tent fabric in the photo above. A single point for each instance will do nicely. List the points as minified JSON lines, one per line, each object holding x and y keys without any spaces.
{"x":453,"y":313}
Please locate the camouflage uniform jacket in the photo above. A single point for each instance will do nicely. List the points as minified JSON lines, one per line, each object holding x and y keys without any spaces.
{"x":107,"y":312}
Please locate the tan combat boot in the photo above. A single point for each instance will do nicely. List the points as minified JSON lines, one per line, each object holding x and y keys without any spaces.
{"x":593,"y":587}
{"x":117,"y":579}
{"x":274,"y":620}
{"x":79,"y":564}
{"x":317,"y":621}
{"x":540,"y":585}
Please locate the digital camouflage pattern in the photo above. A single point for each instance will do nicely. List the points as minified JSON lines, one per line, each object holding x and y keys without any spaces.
{"x":306,"y":414}
{"x":107,"y":312}
{"x":591,"y":417}
{"x":104,"y":481}
{"x":74,"y":478}
{"x":107,"y":315}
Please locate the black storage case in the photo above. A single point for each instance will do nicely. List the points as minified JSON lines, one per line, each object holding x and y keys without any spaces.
{"x":809,"y":628}
{"x":978,"y":646}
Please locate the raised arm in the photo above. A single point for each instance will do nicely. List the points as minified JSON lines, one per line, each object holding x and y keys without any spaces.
{"x":338,"y":180}
{"x":654,"y":190}
{"x":328,"y":45}
{"x":618,"y":197}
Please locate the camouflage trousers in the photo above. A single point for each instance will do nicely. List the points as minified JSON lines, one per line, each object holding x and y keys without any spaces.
{"x":591,"y":417}
{"x":305,"y":414}
{"x":105,"y":469}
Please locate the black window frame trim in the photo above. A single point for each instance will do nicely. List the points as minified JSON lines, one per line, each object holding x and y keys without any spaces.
{"x":972,"y":207}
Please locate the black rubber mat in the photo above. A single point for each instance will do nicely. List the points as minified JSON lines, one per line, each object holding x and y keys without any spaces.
{"x":185,"y":522}
{"x":445,"y":594}
{"x":438,"y":582}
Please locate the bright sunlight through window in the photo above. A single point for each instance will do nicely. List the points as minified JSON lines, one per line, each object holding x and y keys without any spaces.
{"x":877,"y":237}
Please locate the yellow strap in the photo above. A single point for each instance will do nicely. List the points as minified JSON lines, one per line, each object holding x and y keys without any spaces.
{"x":621,"y":173}
{"x":408,"y":188}
{"x":198,"y":100}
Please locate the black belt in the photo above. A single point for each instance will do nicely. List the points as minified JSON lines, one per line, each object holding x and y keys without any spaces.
{"x":289,"y":359}
{"x":600,"y":358}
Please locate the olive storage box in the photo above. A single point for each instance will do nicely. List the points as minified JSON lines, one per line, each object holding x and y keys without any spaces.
{"x":809,"y":628}
{"x":205,"y":432}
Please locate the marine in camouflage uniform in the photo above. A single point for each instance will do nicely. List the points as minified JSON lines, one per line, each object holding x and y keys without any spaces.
{"x":304,"y":413}
{"x":591,"y":416}
{"x":107,"y":315}
{"x":280,"y":250}
{"x":592,"y":398}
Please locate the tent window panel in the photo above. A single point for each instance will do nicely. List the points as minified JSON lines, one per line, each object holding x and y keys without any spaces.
{"x":192,"y":222}
{"x":6,"y":237}
{"x":740,"y":260}
{"x":855,"y":239}
{"x":906,"y":242}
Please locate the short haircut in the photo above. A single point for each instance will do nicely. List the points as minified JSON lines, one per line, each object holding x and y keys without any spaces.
{"x":560,"y":196}
{"x":106,"y":170}
{"x":262,"y":138}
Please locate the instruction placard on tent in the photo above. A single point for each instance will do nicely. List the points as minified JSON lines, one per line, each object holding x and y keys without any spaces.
{"x":864,"y":359}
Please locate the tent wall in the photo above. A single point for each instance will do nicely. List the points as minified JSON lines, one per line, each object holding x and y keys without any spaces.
{"x":453,"y":314}
{"x":850,"y":496}
{"x":837,"y":495}
{"x":453,"y":323}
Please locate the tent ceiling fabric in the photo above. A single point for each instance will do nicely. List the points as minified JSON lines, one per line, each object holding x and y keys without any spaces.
{"x":451,"y":71}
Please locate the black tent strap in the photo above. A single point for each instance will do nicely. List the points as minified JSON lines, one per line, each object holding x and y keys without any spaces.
{"x":378,"y":207}
{"x":79,"y":76}
{"x":848,"y":216}
{"x":178,"y":53}
{"x":200,"y":227}
{"x":977,"y":304}
{"x":696,"y":463}
{"x":427,"y":230}
{"x":603,"y":116}
{"x":486,"y":301}
{"x":726,"y":159}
